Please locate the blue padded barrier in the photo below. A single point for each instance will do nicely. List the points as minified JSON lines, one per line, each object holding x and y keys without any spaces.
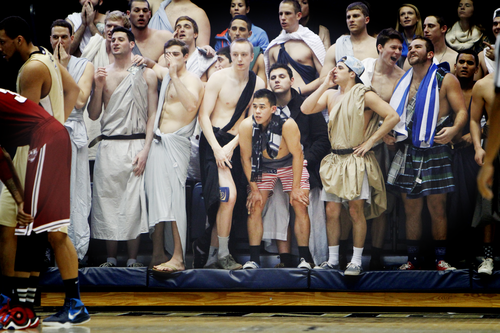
{"x":100,"y":277}
{"x":486,"y":283}
{"x":391,"y":281}
{"x":217,"y":279}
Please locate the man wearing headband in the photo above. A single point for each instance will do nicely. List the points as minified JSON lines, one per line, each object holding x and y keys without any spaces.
{"x":427,"y":99}
{"x":353,"y":129}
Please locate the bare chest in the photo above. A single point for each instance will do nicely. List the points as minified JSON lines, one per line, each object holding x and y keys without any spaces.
{"x":298,"y":51}
{"x":113,"y":80}
{"x":365,"y":49}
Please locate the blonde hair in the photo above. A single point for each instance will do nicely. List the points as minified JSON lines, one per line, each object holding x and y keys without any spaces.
{"x":117,"y":15}
{"x":418,"y":27}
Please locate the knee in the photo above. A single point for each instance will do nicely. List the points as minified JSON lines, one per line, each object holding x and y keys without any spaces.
{"x":356,"y":213}
{"x":56,"y":238}
{"x":332,"y":211}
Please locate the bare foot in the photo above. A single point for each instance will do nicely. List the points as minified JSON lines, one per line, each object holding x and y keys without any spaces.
{"x":158,"y":259}
{"x":171,"y":266}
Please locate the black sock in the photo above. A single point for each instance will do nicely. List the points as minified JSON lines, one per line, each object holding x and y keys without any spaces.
{"x":413,"y":247}
{"x":72,"y":288}
{"x":440,"y":250}
{"x":287,"y":259}
{"x":31,"y":294}
{"x":488,"y":250}
{"x":376,"y":253}
{"x":255,"y":253}
{"x":21,"y":287}
{"x":305,"y":253}
{"x":343,"y":246}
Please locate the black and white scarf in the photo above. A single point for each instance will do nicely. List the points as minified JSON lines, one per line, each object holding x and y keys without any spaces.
{"x":272,"y":136}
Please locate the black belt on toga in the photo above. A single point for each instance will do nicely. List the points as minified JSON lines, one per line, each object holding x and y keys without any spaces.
{"x":116,"y":137}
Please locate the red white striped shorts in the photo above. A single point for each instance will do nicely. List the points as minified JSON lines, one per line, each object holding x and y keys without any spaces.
{"x":285,"y":174}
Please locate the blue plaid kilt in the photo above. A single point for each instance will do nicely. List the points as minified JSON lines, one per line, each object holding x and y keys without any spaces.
{"x":425,"y":171}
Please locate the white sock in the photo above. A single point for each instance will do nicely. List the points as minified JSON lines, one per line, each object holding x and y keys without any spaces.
{"x":131,"y":262}
{"x":112,"y":260}
{"x":357,"y":252}
{"x":333,"y":255}
{"x":223,"y":247}
{"x":212,"y":255}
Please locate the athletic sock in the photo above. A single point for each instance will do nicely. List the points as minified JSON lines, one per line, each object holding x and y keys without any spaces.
{"x":440,"y":250}
{"x":112,"y":260}
{"x":21,"y":286}
{"x":305,"y":253}
{"x":212,"y":255}
{"x":31,"y":294}
{"x":333,"y":255}
{"x":287,"y":259}
{"x":72,"y":288}
{"x":413,"y":247}
{"x":357,"y":252}
{"x":255,"y":253}
{"x":488,"y":250}
{"x":223,"y":247}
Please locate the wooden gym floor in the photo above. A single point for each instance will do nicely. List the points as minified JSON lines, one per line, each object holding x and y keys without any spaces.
{"x":220,"y":322}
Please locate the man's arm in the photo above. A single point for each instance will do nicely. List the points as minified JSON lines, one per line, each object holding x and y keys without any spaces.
{"x":78,"y":35}
{"x":85,"y":84}
{"x":70,"y":90}
{"x":384,"y":110}
{"x":291,"y":136}
{"x":485,"y":177}
{"x":190,"y":95}
{"x":260,"y":68}
{"x":141,"y":157}
{"x":245,"y":141}
{"x":312,"y":86}
{"x":329,"y":64}
{"x":476,"y":113}
{"x":212,"y":89}
{"x":31,"y":80}
{"x":9,"y":177}
{"x":318,"y":100}
{"x":455,"y":98}
{"x":95,"y":104}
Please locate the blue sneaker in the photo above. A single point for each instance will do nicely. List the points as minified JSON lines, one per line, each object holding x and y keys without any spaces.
{"x":72,"y":313}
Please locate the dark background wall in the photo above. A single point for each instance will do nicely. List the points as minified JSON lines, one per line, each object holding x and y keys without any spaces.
{"x":264,"y":13}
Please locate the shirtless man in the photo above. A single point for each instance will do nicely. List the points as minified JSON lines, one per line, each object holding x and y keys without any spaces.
{"x":354,"y":115}
{"x":284,"y":155}
{"x":358,"y":43}
{"x":168,"y":160}
{"x":149,"y":42}
{"x":129,"y":96}
{"x":82,"y":71}
{"x":305,"y":54}
{"x":240,"y":27}
{"x":461,"y":202}
{"x":427,"y":146}
{"x":169,"y":11}
{"x":87,"y":23}
{"x":484,"y":98}
{"x":41,"y":80}
{"x":227,"y":97}
{"x":200,"y":62}
{"x":435,"y":29}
